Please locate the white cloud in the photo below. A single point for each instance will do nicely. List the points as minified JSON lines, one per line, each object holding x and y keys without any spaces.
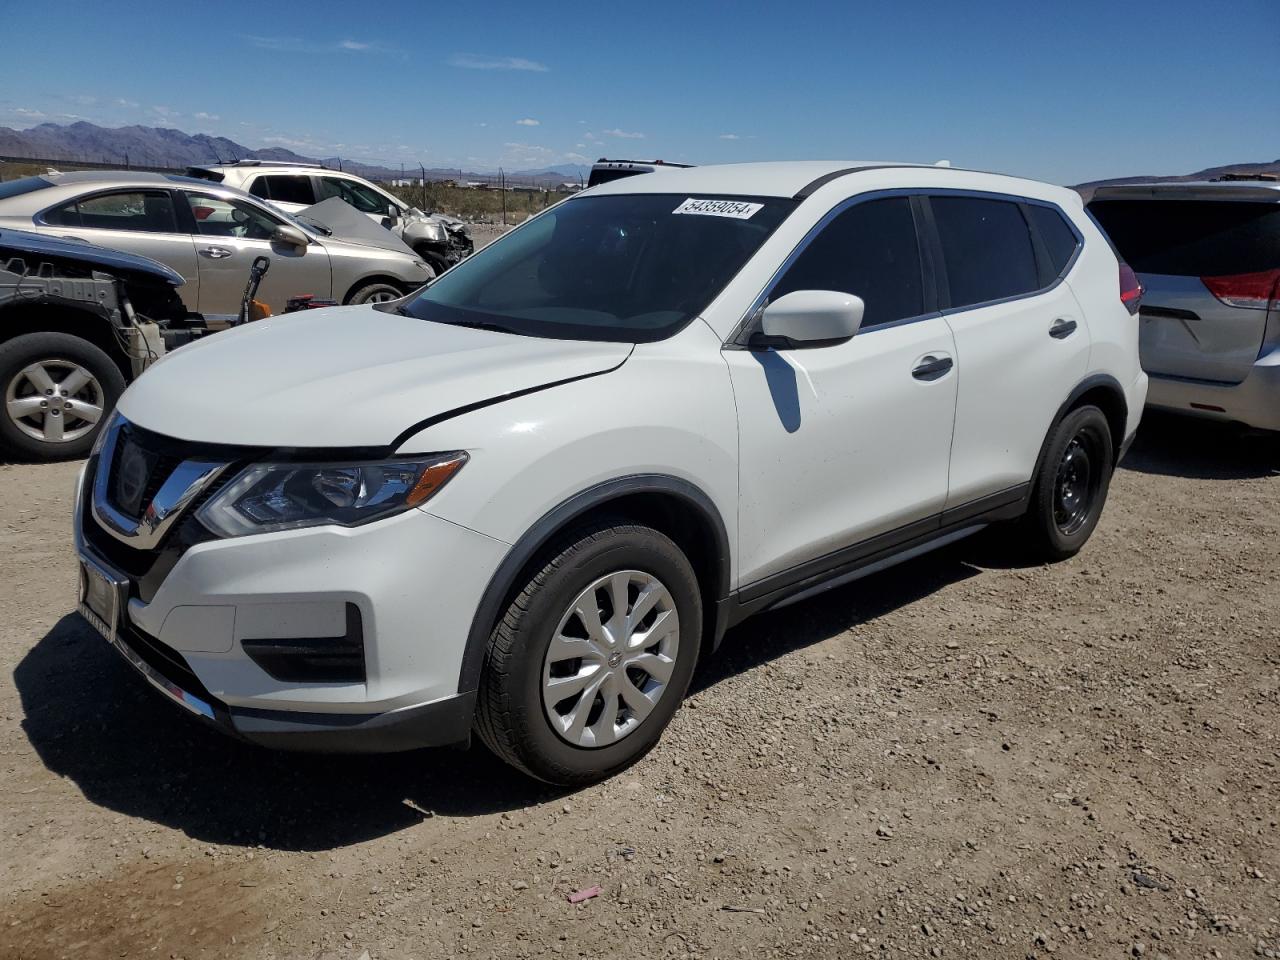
{"x":355,"y":45}
{"x":625,"y":134}
{"x":580,"y":146}
{"x":166,"y":112}
{"x":574,"y":157}
{"x":729,"y":136}
{"x":590,"y":136}
{"x":528,"y":122}
{"x":475,"y":61}
{"x":201,"y":115}
{"x":29,"y":114}
{"x":299,"y":45}
{"x":131,"y":104}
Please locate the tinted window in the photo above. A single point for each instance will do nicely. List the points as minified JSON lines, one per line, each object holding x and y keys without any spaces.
{"x":869,"y":250}
{"x":624,"y":268}
{"x":216,"y":217}
{"x":365,"y":199}
{"x":149,"y":211}
{"x":1193,"y":238}
{"x":987,"y":248}
{"x":284,"y":189}
{"x":1058,"y":237}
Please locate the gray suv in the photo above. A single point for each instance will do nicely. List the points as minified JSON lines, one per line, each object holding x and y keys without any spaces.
{"x":1208,"y":254}
{"x":210,"y":234}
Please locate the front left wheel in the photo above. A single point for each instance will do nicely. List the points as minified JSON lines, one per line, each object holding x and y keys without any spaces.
{"x":377,"y":292}
{"x":58,"y":391}
{"x":593,"y":656}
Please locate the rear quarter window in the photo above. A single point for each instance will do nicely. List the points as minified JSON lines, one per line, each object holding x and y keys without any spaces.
{"x":1059,"y":239}
{"x":1193,"y":238}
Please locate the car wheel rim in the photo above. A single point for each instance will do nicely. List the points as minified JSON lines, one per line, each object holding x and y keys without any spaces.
{"x":610,"y":659}
{"x":382,"y":295}
{"x":1075,"y":486}
{"x":54,"y":401}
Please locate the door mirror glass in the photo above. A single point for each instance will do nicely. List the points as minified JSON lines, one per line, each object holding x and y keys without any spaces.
{"x":813,"y":317}
{"x":289,"y":236}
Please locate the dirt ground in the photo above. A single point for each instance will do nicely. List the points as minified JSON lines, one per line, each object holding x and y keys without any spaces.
{"x":955,"y":758}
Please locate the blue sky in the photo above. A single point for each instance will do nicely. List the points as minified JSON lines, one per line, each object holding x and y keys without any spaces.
{"x":1062,"y":92}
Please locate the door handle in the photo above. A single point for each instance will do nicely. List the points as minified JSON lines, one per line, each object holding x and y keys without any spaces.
{"x":215,"y":253}
{"x":1062,"y":328}
{"x":931,"y":368}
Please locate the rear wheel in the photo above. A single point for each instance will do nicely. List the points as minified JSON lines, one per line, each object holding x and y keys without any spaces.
{"x":58,"y":390}
{"x":593,"y":656}
{"x":1071,"y":486}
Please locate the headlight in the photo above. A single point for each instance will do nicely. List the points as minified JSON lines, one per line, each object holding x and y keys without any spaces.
{"x":287,"y":496}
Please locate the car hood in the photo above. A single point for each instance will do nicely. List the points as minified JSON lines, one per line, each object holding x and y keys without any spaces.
{"x":126,"y":266}
{"x":345,"y":377}
{"x":350,"y":225}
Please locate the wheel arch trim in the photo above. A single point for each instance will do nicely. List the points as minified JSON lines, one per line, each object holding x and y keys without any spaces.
{"x":1096,"y":381}
{"x":553,"y":522}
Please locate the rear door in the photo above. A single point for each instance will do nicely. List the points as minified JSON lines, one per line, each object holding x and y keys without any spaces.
{"x":137,"y":221}
{"x":229,"y":235}
{"x":1022,"y":344}
{"x":1209,"y":268}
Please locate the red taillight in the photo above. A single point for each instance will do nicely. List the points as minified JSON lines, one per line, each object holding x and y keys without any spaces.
{"x":1130,"y":288}
{"x":1254,"y":291}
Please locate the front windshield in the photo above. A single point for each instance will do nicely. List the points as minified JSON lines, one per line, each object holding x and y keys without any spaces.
{"x":632,"y":268}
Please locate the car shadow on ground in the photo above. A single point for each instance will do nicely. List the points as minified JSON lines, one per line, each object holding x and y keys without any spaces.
{"x":1181,"y":446}
{"x":92,"y":719}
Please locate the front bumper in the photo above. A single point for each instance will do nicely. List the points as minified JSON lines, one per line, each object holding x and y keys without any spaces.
{"x":1255,"y":401}
{"x":416,"y":580}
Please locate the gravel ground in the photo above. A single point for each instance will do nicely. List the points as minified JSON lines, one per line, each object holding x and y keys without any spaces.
{"x":956,"y":758}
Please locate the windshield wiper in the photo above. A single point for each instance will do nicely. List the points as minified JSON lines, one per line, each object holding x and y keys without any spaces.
{"x":481,"y":325}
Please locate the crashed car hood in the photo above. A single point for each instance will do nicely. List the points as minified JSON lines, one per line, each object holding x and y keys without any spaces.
{"x":126,"y":266}
{"x":348,"y":223}
{"x":345,"y":377}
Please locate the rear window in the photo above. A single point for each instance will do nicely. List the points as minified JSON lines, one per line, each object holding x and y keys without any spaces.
{"x":284,"y":189}
{"x":16,"y":188}
{"x":987,"y":248}
{"x":1193,"y":238}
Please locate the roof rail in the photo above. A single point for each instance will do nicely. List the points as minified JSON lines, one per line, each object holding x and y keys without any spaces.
{"x":273,"y":163}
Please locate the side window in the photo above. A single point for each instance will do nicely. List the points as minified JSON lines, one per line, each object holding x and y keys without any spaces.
{"x":1058,"y":237}
{"x":285,"y":189}
{"x":216,"y":217}
{"x":363,"y":198}
{"x":987,"y":248}
{"x":140,"y":211}
{"x":869,"y":250}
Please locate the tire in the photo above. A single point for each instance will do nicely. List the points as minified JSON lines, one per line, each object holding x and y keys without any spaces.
{"x":1070,"y":486}
{"x":514,"y":717}
{"x":380,"y":291}
{"x":435,"y":260}
{"x":36,"y":424}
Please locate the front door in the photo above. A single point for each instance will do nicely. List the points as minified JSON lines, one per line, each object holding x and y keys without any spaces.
{"x":838,"y":444}
{"x":229,"y":235}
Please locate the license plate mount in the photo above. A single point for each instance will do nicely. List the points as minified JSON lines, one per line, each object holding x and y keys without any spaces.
{"x":101,"y":599}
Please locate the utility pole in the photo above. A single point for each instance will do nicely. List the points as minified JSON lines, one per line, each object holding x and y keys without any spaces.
{"x":502,"y":185}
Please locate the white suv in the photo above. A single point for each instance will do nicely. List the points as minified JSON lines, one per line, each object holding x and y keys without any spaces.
{"x":527,"y":501}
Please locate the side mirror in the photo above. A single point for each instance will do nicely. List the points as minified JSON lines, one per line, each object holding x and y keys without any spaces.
{"x":812,"y":318}
{"x":393,"y":212}
{"x":289,"y":236}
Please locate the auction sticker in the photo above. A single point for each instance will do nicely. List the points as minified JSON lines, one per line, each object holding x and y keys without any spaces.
{"x":737,"y":209}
